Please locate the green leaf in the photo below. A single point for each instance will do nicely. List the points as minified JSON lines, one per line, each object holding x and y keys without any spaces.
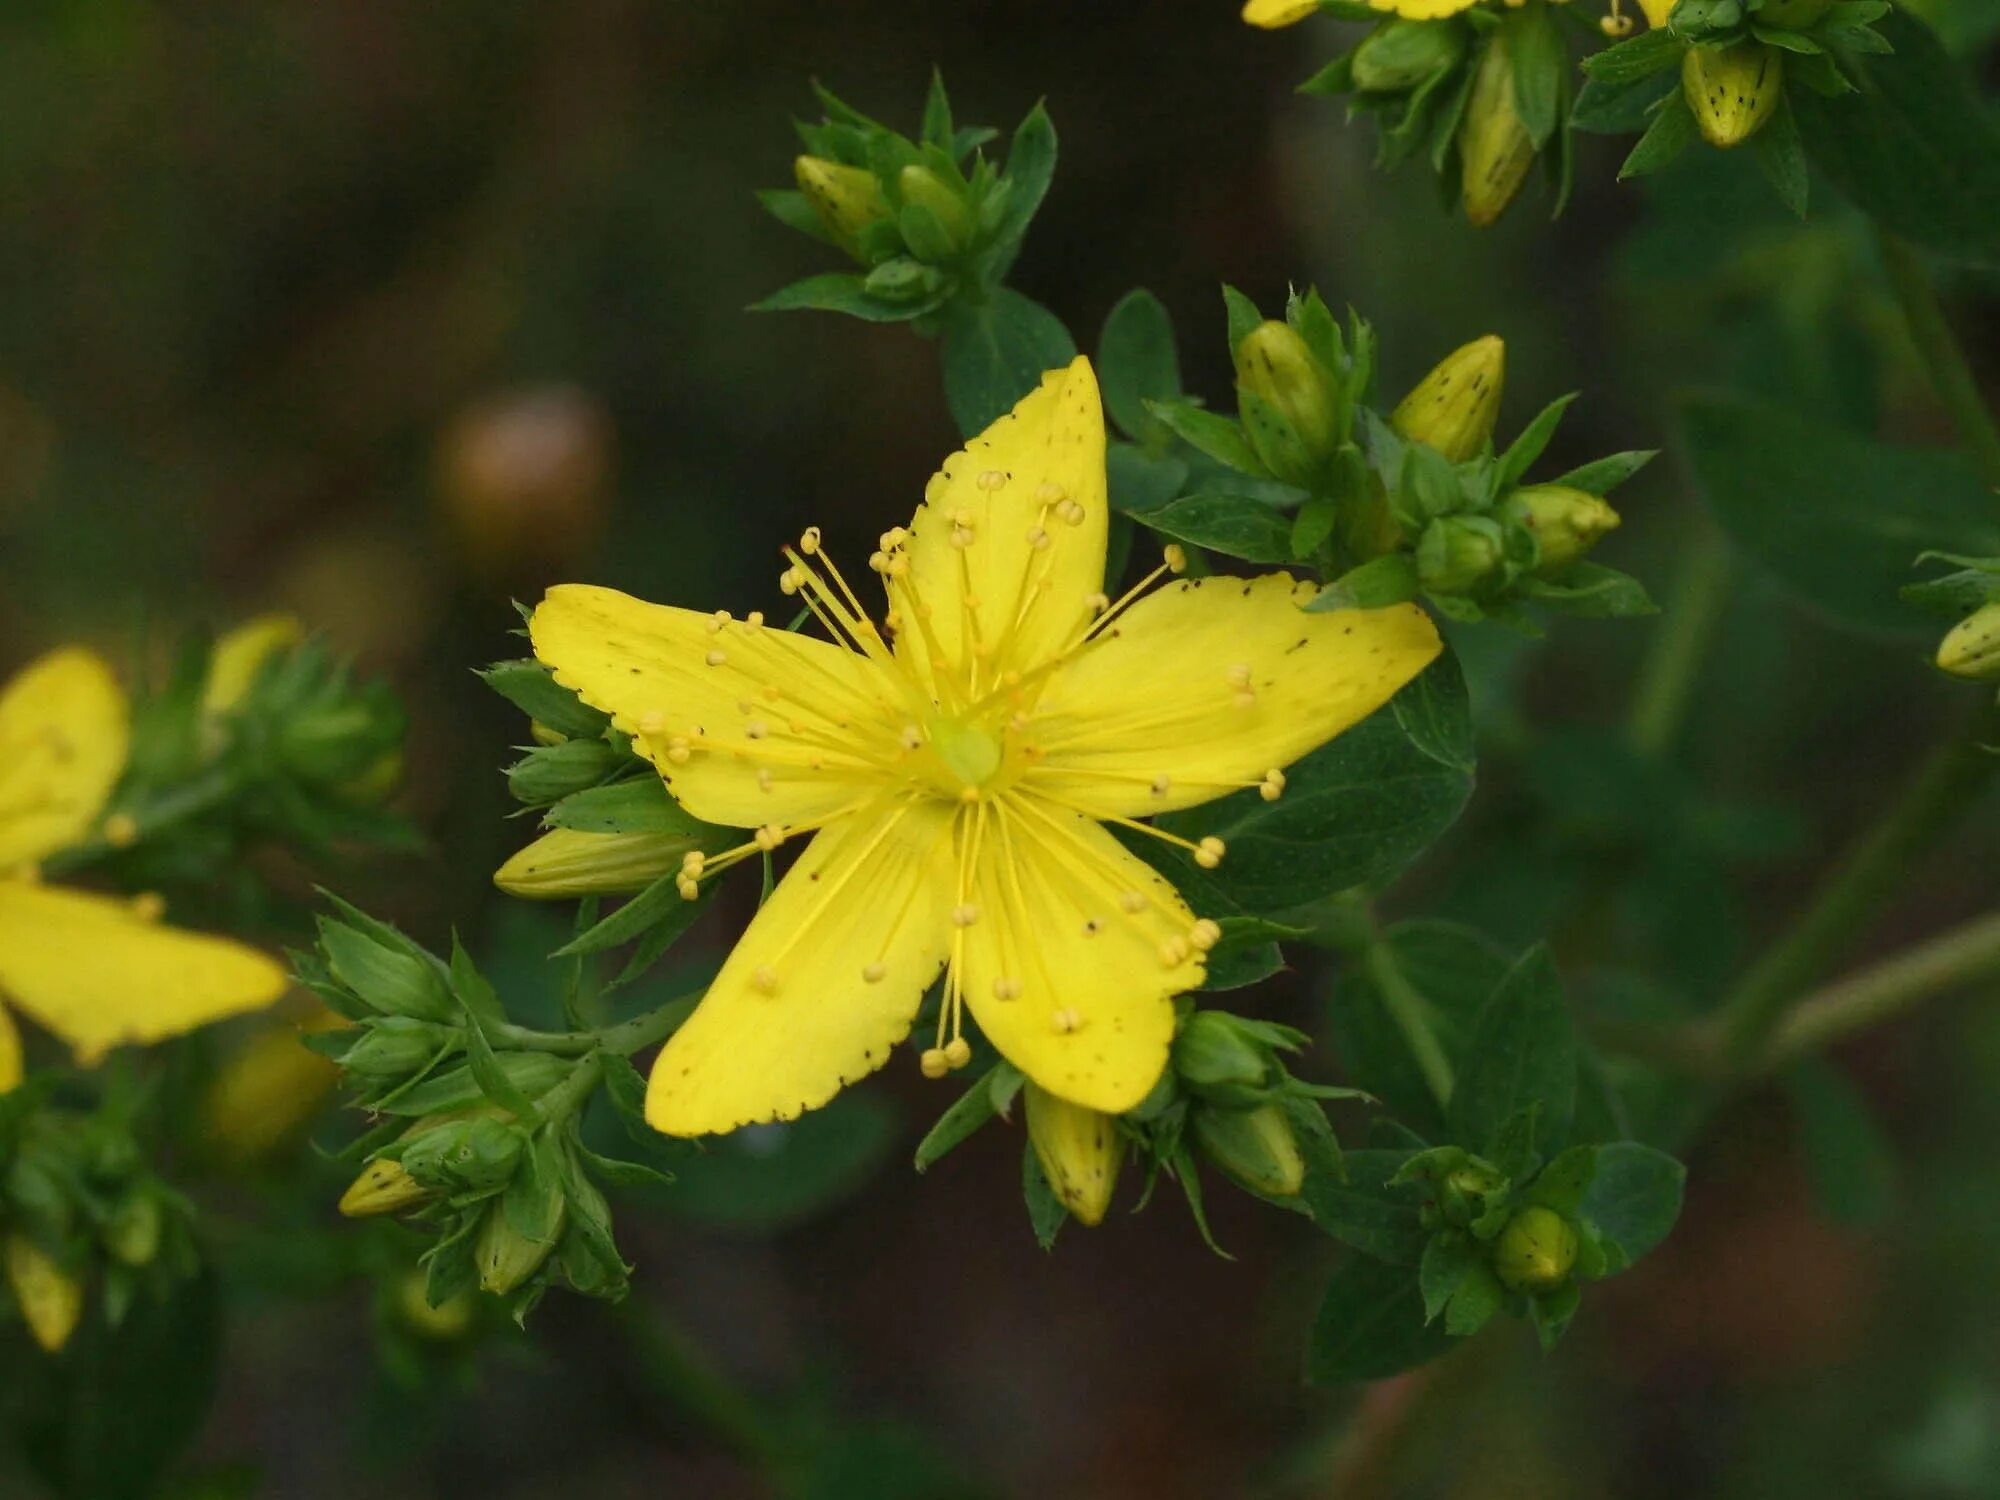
{"x":639,"y":805}
{"x":661,"y":902}
{"x":1435,"y":711}
{"x":764,"y":1178}
{"x":533,"y":1073}
{"x":1601,"y":476}
{"x":391,"y":982}
{"x":1553,"y":1311}
{"x":1137,"y":362}
{"x":1221,"y":438}
{"x":1673,"y":130}
{"x":1834,"y":517}
{"x":1139,"y":482}
{"x":973,"y":1109}
{"x":1474,"y":1301}
{"x":1593,"y":592}
{"x":1606,"y":108}
{"x":1563,"y":1184}
{"x":845,"y":292}
{"x":1522,"y":1053}
{"x":1634,"y":1199}
{"x":1448,"y":1258}
{"x":995,"y":352}
{"x":1540,"y":64}
{"x":1233,"y":525}
{"x":1848,"y":1160}
{"x":1031,"y":167}
{"x":1642,"y":56}
{"x":494,"y":1081}
{"x":1375,"y":584}
{"x":1525,"y":449}
{"x":1371,"y":1325}
{"x":529,"y":686}
{"x":1360,"y":1209}
{"x":1781,"y":157}
{"x":1046,"y":1213}
{"x":1243,"y":315}
{"x":1912,"y":146}
{"x":936,"y":129}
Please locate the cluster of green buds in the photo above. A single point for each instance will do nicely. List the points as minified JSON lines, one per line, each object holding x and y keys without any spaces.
{"x":1478,"y":94}
{"x":480,"y":1138}
{"x":1719,"y":69}
{"x":1969,"y":594}
{"x":83,"y":1215}
{"x":928,"y":220}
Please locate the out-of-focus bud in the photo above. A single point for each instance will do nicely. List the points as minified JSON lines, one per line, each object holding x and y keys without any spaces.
{"x":923,"y":188}
{"x":847,"y":199}
{"x":133,"y":1234}
{"x":341,"y":737}
{"x":1272,"y":14}
{"x":1257,"y":1147}
{"x":1567,"y":523}
{"x":524,"y":482}
{"x":1401,"y":54}
{"x":506,"y":1257}
{"x":1733,"y":90}
{"x":566,"y":863}
{"x":50,"y":1298}
{"x":1793,"y":15}
{"x":1535,"y":1251}
{"x":1462,"y":1193}
{"x":1453,"y":408}
{"x":265,"y":1094}
{"x":239,"y":653}
{"x":1079,"y":1149}
{"x":1275,"y":365}
{"x":1456,"y":554}
{"x":445,"y":1322}
{"x":1971,"y":648}
{"x":382,"y":1188}
{"x":1221,"y":1060}
{"x":1494,"y":147}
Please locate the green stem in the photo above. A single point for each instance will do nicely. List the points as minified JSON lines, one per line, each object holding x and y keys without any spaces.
{"x":1944,"y":360}
{"x":1869,"y":870}
{"x":678,"y":1367}
{"x":1667,"y":677}
{"x":1412,"y":1015}
{"x":625,"y":1038}
{"x":567,"y":1097}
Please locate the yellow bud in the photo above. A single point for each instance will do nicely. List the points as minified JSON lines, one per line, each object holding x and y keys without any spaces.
{"x":847,"y":199}
{"x":1535,"y":1251}
{"x":1494,"y":147}
{"x":1257,"y":1147}
{"x":506,"y":1257}
{"x":1566,"y":522}
{"x":1453,"y":408}
{"x":240,"y":653}
{"x":566,"y":863}
{"x":447,"y":1321}
{"x":50,"y":1298}
{"x":1274,"y":363}
{"x":1733,"y":90}
{"x":1079,"y":1149}
{"x":1971,"y":648}
{"x":382,"y":1188}
{"x":923,"y":187}
{"x":267,"y":1092}
{"x":1272,"y":14}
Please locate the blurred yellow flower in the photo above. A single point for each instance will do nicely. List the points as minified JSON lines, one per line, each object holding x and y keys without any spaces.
{"x":95,"y":970}
{"x":957,"y":764}
{"x":238,"y":655}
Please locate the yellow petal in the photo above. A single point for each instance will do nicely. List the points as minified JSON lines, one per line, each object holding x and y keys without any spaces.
{"x":98,"y":975}
{"x":1030,"y":492}
{"x":10,"y":1053}
{"x":746,"y":699}
{"x":64,"y":727}
{"x":1657,"y":11}
{"x":1074,"y":987}
{"x":1271,"y":14}
{"x":1206,"y":685}
{"x":1423,"y":10}
{"x":239,"y":654}
{"x":824,"y":983}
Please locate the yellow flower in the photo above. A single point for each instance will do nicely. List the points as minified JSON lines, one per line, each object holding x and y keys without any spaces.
{"x":956,"y":769}
{"x":240,"y":653}
{"x":95,"y":970}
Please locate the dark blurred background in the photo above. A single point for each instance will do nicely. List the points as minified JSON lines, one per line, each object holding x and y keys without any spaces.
{"x":385,"y":314}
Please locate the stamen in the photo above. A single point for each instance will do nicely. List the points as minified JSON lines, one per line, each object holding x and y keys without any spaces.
{"x":1273,"y":785}
{"x":809,"y":540}
{"x":1176,"y":556}
{"x":1205,"y":934}
{"x":934,"y":1062}
{"x":717,"y":658}
{"x":1208,"y":853}
{"x":957,"y":1053}
{"x":964,"y":914}
{"x":873,"y":973}
{"x":1173,"y":952}
{"x":991,"y":479}
{"x":1066,"y":1020}
{"x":1005,"y":988}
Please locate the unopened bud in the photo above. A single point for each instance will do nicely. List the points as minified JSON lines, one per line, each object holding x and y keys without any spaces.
{"x":1274,"y":364}
{"x":473,"y":1155}
{"x":445,"y":1322}
{"x":1733,"y":90}
{"x":394,"y":1048}
{"x":1079,"y":1149}
{"x":1566,"y":523}
{"x":549,"y":773}
{"x":1453,"y":408}
{"x":1494,"y":147}
{"x":1535,"y":1251}
{"x":382,"y":1188}
{"x":1400,"y":54}
{"x":1971,"y":648}
{"x":50,"y":1298}
{"x":1257,"y":1147}
{"x":1218,"y":1059}
{"x":566,"y":863}
{"x":847,"y":199}
{"x":240,"y":654}
{"x":923,"y":188}
{"x":505,"y":1256}
{"x":1456,"y":554}
{"x":133,"y":1234}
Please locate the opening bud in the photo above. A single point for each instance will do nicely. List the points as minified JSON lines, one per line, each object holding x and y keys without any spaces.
{"x":1733,"y":90}
{"x":1298,"y":422}
{"x":1080,"y":1151}
{"x":383,"y":1187}
{"x":1256,"y":1147}
{"x":948,"y":220}
{"x":50,"y":1298}
{"x":1457,"y":553}
{"x":1453,"y":408}
{"x":1494,"y":147}
{"x":1401,"y":54}
{"x":1535,"y":1251}
{"x":566,"y":863}
{"x":1971,"y":648}
{"x":1566,"y":523}
{"x":847,"y":199}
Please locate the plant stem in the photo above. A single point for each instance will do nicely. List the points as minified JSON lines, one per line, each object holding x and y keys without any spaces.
{"x":1667,"y":678}
{"x":677,"y":1367}
{"x":625,"y":1038}
{"x":1967,"y":952}
{"x":567,"y":1097}
{"x":1412,"y":1014}
{"x":1939,"y":787}
{"x":1944,"y":359}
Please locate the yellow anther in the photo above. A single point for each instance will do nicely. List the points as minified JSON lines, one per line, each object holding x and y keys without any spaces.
{"x":872,"y":973}
{"x":678,"y":751}
{"x":957,"y":1053}
{"x":1273,"y":785}
{"x":1132,"y":902}
{"x":121,"y":830}
{"x":1066,"y":1020}
{"x":1238,"y":676}
{"x":1173,"y":952}
{"x":1208,"y":853}
{"x":809,"y":540}
{"x":912,"y":737}
{"x":754,"y":620}
{"x":763,"y":778}
{"x":1615,"y":25}
{"x":149,"y":906}
{"x":878,"y":562}
{"x":961,"y":537}
{"x":992,"y":479}
{"x":964,"y":517}
{"x":756,"y":729}
{"x":1205,"y":934}
{"x":1072,"y":512}
{"x":769,"y":837}
{"x":652,"y":723}
{"x":1048,"y":492}
{"x":1098,"y":603}
{"x":791,"y":581}
{"x":688,"y":887}
{"x":765,"y":978}
{"x":964,"y":914}
{"x":719,"y":619}
{"x":1006,"y":989}
{"x":692,"y":861}
{"x":934,"y":1063}
{"x":1162,"y":784}
{"x":894,"y":537}
{"x":1038,"y":538}
{"x":716,"y":658}
{"x":1176,"y":556}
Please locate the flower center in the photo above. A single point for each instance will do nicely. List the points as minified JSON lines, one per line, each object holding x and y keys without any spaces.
{"x":969,"y":752}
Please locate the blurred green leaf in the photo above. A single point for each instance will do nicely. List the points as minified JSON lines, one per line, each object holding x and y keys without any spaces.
{"x":1522,"y":1054}
{"x":1847,"y":1158}
{"x":1371,"y":1325}
{"x":1634,"y":1199}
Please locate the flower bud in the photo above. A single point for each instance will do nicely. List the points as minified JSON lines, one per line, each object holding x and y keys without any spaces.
{"x":133,"y":1234}
{"x":1453,"y":408}
{"x":847,"y":199}
{"x":1793,"y":15}
{"x":382,"y":1188}
{"x":1255,"y":1146}
{"x":1463,"y":1191}
{"x":1535,"y":1251}
{"x":393,"y":1048}
{"x":1733,"y":90}
{"x":1272,"y":14}
{"x":1566,"y":523}
{"x":447,"y":1321}
{"x":473,"y":1155}
{"x":1494,"y":147}
{"x":1401,"y":54}
{"x":1079,"y":1149}
{"x":1971,"y":648}
{"x":1456,"y":554}
{"x":240,"y":653}
{"x":566,"y":863}
{"x":1220,"y":1060}
{"x":922,"y":187}
{"x":1274,"y":364}
{"x":50,"y":1298}
{"x":505,"y":1256}
{"x":549,"y":773}
{"x":338,"y":741}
